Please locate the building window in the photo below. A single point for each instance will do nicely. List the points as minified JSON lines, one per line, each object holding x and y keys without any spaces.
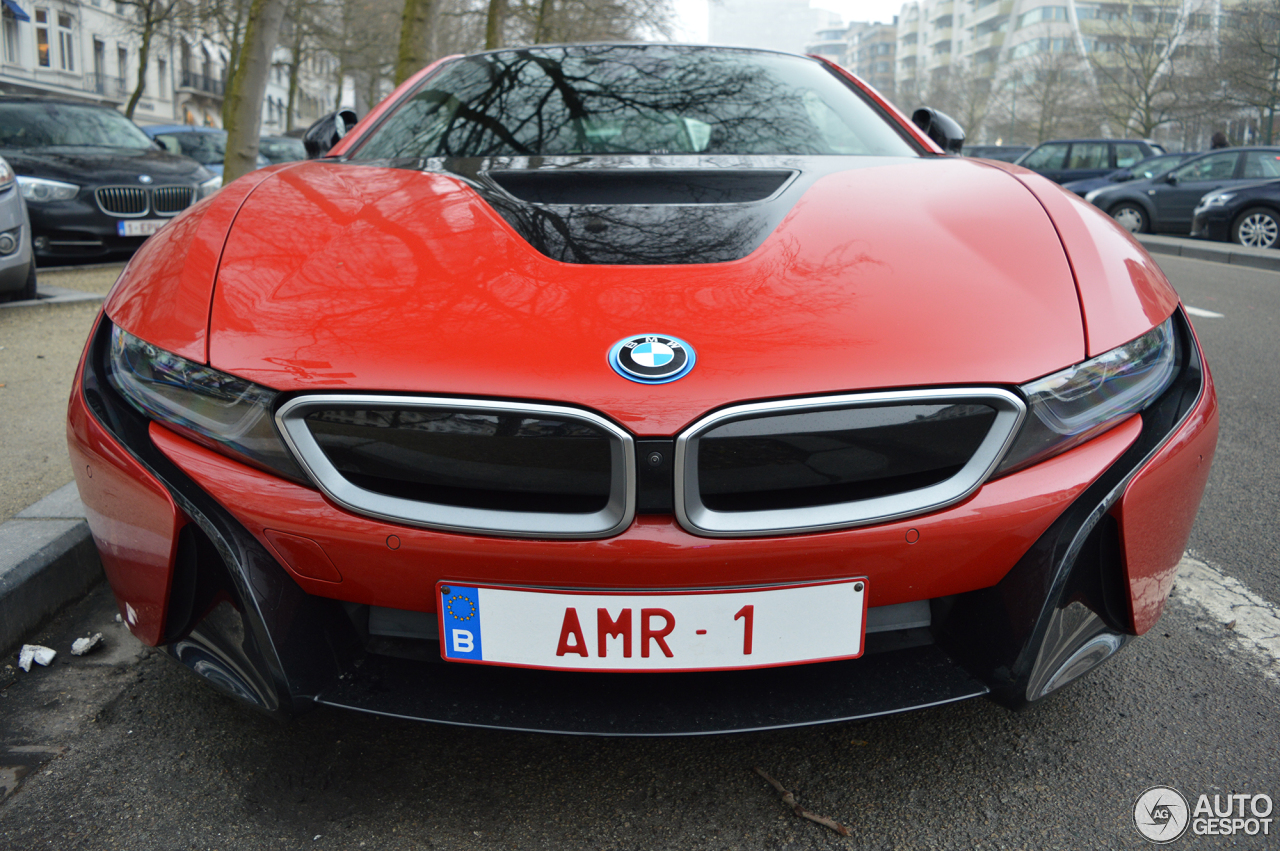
{"x":122,"y":66}
{"x":42,"y":38}
{"x":162,"y":73}
{"x":66,"y":44}
{"x":10,"y":37}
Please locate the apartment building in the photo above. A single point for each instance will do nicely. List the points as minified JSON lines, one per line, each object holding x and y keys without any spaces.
{"x":88,"y":51}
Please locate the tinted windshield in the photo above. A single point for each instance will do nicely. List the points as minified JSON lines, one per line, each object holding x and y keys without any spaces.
{"x":282,"y":150}
{"x":44,"y":125}
{"x":632,"y":100}
{"x":206,"y":148}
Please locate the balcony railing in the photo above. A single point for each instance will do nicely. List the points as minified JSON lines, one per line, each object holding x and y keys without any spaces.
{"x":107,"y":86}
{"x":201,"y":83}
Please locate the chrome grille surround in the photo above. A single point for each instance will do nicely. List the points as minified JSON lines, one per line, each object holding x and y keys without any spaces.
{"x":122,"y":201}
{"x":171,"y":200}
{"x":611,"y":520}
{"x":698,"y":519}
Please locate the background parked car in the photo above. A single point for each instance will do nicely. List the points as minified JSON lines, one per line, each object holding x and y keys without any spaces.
{"x":1004,"y":153}
{"x":17,"y":263}
{"x":205,"y":145}
{"x":282,"y":149}
{"x":1166,"y":204}
{"x":1144,"y":170}
{"x":94,"y":183}
{"x":1064,"y":160}
{"x":1246,"y":215}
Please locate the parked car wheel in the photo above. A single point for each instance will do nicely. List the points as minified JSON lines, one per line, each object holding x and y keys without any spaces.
{"x":1257,"y":227}
{"x":1131,"y":217}
{"x":28,"y":290}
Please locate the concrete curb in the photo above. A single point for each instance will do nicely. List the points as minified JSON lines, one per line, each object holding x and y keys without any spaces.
{"x":50,"y":296}
{"x":1216,"y":252}
{"x":47,"y":560}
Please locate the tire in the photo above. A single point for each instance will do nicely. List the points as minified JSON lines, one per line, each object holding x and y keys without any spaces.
{"x":1131,"y":217}
{"x":1256,"y":227}
{"x":28,"y":290}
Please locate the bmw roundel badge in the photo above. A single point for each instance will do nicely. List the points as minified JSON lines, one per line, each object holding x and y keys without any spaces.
{"x":651,"y":358}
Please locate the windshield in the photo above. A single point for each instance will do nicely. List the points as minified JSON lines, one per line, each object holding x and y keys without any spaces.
{"x":206,"y":147}
{"x":609,"y":99}
{"x":39,"y":124}
{"x":281,"y":149}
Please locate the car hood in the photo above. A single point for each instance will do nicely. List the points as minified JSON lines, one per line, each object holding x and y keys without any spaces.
{"x":99,"y":165}
{"x":885,"y":274}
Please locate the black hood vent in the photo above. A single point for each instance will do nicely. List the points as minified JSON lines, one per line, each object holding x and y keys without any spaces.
{"x":631,"y":187}
{"x":643,"y":210}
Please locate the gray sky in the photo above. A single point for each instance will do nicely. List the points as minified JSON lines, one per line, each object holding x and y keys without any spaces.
{"x":691,"y":15}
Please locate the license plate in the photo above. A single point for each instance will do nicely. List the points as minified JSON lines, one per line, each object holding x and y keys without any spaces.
{"x":678,"y":631}
{"x":140,"y":227}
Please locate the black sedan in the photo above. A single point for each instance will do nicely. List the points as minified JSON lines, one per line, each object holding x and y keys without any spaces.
{"x":1144,"y":170}
{"x":95,"y":184}
{"x":1166,"y":204}
{"x":1246,"y":215}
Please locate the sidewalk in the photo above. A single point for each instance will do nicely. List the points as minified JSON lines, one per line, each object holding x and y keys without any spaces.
{"x":47,"y":558}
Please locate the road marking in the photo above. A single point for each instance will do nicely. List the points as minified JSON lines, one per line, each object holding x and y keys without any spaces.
{"x":1201,"y":312}
{"x":1255,"y":623}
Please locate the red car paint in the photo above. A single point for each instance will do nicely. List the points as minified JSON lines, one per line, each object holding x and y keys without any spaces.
{"x":970,"y":545}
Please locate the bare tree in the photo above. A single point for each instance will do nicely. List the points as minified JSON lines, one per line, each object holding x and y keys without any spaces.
{"x":415,"y":33}
{"x":146,"y":17}
{"x":243,"y":105}
{"x":1046,"y":94}
{"x":1146,"y":67}
{"x":962,"y":95}
{"x":1250,"y":60}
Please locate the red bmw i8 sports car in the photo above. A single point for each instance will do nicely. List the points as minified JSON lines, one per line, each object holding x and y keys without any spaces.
{"x":640,"y":389}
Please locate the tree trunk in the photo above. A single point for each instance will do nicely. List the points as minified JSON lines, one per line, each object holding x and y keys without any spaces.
{"x":540,"y":26}
{"x":236,"y":45}
{"x":295,"y":62}
{"x":244,"y":98}
{"x":493,"y":24}
{"x":144,"y":56}
{"x":415,"y":26}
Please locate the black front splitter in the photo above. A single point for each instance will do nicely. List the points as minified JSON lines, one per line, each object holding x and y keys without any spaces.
{"x":657,"y":704}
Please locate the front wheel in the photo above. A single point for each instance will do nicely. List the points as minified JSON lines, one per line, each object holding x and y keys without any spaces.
{"x":1131,"y":217}
{"x":28,"y":290}
{"x":1256,"y":228}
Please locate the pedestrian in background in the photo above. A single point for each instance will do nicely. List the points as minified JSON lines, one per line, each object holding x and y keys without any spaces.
{"x":1218,"y":140}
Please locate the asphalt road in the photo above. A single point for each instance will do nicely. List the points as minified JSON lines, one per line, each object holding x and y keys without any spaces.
{"x":1237,"y":526}
{"x":126,"y":751}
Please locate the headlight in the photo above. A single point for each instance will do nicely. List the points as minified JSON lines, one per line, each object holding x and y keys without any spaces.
{"x":227,"y":414}
{"x":1092,"y":194}
{"x":210,"y":186}
{"x":37,"y":190}
{"x":1069,"y":407}
{"x":1215,"y":200}
{"x":6,"y":174}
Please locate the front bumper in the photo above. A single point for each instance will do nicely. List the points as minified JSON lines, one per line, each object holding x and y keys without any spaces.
{"x":76,"y":228}
{"x":1076,"y":558}
{"x":1212,"y":224}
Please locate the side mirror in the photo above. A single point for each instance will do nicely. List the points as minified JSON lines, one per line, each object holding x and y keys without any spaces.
{"x":327,"y":132}
{"x":1171,"y":179}
{"x":940,"y":127}
{"x":1122,"y":175}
